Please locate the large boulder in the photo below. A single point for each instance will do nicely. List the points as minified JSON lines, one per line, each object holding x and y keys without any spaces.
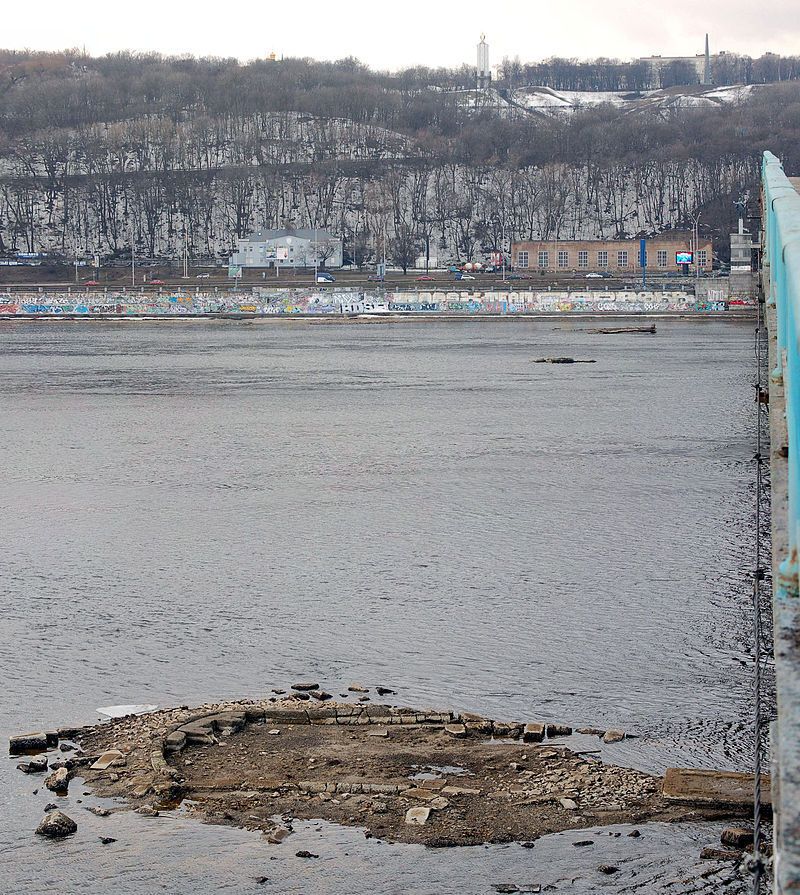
{"x":56,"y":824}
{"x":28,"y":742}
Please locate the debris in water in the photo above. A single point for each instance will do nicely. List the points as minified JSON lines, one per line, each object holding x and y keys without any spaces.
{"x":122,"y":711}
{"x":563,"y":360}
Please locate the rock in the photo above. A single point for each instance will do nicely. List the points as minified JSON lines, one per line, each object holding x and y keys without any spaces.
{"x":106,"y":760}
{"x":719,"y":854}
{"x":439,"y":803}
{"x":418,"y":816}
{"x":56,"y":824}
{"x":97,"y":811}
{"x":378,"y":732}
{"x":274,"y":732}
{"x":175,"y":741}
{"x":107,"y":840}
{"x":277,"y":835}
{"x":147,"y":811}
{"x":558,"y":730}
{"x":528,"y":844}
{"x":304,"y":686}
{"x":34,"y":766}
{"x":278,"y":691}
{"x":634,"y":834}
{"x":506,"y":729}
{"x":260,"y":880}
{"x":739,"y":837}
{"x":569,"y":804}
{"x":608,"y":869}
{"x":425,"y":795}
{"x":66,"y":747}
{"x":581,"y":843}
{"x":58,"y":781}
{"x":301,"y":695}
{"x":50,"y":806}
{"x":613,"y":736}
{"x":364,"y":699}
{"x":385,"y":691}
{"x":357,"y":688}
{"x":322,"y":695}
{"x":305,"y":854}
{"x":591,"y":731}
{"x":533,"y":733}
{"x":455,"y":730}
{"x":28,"y":742}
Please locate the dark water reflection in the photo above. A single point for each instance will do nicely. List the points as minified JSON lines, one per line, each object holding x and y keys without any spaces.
{"x":200,"y":510}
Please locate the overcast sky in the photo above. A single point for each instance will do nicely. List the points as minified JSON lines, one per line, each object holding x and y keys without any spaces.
{"x":394,"y":35}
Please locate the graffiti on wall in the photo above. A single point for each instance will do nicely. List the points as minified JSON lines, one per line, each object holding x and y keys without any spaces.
{"x":311,"y":301}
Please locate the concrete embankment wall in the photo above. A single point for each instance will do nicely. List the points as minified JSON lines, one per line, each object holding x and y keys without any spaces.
{"x":332,"y":302}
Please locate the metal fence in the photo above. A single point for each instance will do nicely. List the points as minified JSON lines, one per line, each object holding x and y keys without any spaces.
{"x":781,"y":280}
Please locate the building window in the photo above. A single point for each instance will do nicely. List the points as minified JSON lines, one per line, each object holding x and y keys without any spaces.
{"x":622,"y":259}
{"x":544,"y":259}
{"x":583,"y":259}
{"x":563,"y":259}
{"x":522,"y":259}
{"x":602,"y":259}
{"x":702,"y":258}
{"x":662,"y":258}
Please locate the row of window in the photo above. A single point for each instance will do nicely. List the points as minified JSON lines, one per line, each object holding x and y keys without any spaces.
{"x":623,"y":259}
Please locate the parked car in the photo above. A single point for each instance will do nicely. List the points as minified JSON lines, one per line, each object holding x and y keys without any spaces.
{"x":324,"y":277}
{"x":424,"y":279}
{"x":594,"y":276}
{"x":203,"y":276}
{"x":157,"y":283}
{"x":375,"y":278}
{"x":90,"y":283}
{"x":464,"y":276}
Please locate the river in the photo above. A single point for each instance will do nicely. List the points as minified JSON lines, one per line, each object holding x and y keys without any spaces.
{"x":195,"y":510}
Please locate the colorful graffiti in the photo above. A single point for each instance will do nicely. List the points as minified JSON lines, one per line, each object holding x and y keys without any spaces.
{"x":352,"y":302}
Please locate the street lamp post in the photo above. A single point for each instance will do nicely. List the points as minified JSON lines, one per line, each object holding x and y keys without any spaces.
{"x":503,"y":245}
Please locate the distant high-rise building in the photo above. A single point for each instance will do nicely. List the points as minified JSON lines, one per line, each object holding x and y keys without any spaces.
{"x":707,"y":66}
{"x":484,"y":72}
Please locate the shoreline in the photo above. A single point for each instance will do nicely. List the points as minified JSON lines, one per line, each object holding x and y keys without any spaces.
{"x":744,"y":314}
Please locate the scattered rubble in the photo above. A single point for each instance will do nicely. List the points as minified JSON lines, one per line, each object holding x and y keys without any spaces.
{"x":406,"y":774}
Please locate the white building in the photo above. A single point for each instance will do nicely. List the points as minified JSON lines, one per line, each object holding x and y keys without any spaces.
{"x":288,"y":248}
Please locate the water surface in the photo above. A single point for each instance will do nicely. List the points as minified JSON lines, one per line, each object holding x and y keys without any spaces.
{"x":196,"y":510}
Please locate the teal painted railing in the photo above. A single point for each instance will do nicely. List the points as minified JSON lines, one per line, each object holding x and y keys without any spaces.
{"x":781,"y":276}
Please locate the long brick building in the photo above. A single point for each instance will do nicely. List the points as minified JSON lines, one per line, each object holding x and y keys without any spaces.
{"x":615,"y":255}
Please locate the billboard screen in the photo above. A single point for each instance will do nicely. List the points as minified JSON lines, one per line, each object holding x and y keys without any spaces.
{"x":684,"y":257}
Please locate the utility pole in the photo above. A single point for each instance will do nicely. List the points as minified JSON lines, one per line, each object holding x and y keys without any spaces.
{"x":316,"y":254}
{"x":185,"y":256}
{"x":503,"y":245}
{"x":696,"y":256}
{"x":133,"y":257}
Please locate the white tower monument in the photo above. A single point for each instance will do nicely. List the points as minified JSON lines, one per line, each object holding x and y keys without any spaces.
{"x":484,"y":74}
